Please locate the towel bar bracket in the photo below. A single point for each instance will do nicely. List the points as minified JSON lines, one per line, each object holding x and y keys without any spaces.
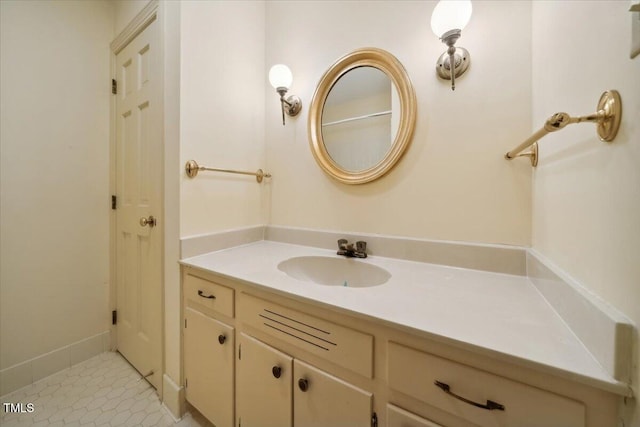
{"x":533,"y":155}
{"x":611,"y":105}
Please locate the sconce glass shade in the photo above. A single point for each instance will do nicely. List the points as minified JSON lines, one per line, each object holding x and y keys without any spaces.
{"x":280,"y":76}
{"x":450,"y":15}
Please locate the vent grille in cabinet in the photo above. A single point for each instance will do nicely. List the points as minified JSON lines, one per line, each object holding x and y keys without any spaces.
{"x":297,"y":329}
{"x":323,"y":337}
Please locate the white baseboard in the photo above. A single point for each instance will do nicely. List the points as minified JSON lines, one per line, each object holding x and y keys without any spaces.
{"x":173,"y":397}
{"x":32,"y":370}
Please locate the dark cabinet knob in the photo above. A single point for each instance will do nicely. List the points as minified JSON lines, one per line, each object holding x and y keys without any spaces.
{"x":276,"y":371}
{"x":221,"y":339}
{"x":303,"y":384}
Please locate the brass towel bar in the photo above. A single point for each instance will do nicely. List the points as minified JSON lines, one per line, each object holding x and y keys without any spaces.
{"x":607,"y":118}
{"x":192,"y":168}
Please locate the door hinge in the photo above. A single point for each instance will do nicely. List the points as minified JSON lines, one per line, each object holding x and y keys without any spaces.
{"x":240,"y":352}
{"x":114,"y":202}
{"x":186,"y":383}
{"x":374,"y":420}
{"x":185,"y":323}
{"x":114,"y":317}
{"x":114,"y":86}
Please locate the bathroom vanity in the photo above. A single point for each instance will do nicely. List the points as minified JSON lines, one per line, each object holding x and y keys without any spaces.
{"x":430,"y":346}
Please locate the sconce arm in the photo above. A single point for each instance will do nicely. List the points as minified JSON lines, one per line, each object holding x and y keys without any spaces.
{"x":452,"y":63}
{"x":450,"y":38}
{"x":283,"y":100}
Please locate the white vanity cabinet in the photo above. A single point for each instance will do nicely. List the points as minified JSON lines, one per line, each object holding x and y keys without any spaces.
{"x":276,"y":390}
{"x":254,"y":358}
{"x":208,"y":349}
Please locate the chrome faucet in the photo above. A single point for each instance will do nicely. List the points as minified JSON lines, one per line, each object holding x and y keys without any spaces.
{"x":346,"y":249}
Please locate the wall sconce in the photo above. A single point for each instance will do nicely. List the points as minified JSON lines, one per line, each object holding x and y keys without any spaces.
{"x":281,"y":78}
{"x":447,"y":22}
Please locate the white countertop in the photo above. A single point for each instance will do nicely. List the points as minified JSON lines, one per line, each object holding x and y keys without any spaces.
{"x":499,"y":315}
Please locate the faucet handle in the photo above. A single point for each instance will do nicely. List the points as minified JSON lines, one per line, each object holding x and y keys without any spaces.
{"x":361,"y":246}
{"x":342,"y":243}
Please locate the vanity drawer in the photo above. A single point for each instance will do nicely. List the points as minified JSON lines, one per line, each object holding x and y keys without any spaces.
{"x":343,"y":346}
{"x":208,"y":294}
{"x":414,"y":373}
{"x":398,"y":417}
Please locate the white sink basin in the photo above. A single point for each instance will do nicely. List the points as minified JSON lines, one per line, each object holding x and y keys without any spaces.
{"x":322,"y":270}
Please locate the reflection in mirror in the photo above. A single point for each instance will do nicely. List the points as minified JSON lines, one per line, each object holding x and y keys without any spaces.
{"x":360,"y":118}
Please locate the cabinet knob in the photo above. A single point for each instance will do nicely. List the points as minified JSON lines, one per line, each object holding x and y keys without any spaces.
{"x":276,"y":371}
{"x":303,"y":384}
{"x":221,"y":339}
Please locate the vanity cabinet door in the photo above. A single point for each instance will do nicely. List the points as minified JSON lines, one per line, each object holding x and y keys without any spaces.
{"x":209,"y":367}
{"x":322,"y":400}
{"x":264,"y":394}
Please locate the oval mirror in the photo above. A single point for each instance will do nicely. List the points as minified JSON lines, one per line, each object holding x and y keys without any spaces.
{"x":362,"y":116}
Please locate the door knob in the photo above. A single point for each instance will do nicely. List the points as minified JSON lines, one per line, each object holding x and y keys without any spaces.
{"x":303,"y":384}
{"x":151,"y":221}
{"x":222,"y":339}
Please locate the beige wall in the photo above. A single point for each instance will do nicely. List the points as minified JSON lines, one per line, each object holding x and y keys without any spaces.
{"x":453,"y":183}
{"x":54,"y":207}
{"x":220,"y":105}
{"x":125,"y":11}
{"x":222,"y":114}
{"x":586,"y":194}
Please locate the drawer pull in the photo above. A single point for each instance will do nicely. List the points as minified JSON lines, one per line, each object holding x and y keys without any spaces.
{"x":200,"y":293}
{"x":490,"y":405}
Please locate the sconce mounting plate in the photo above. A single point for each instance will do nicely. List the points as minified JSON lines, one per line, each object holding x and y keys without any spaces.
{"x":462,"y":61}
{"x":293,"y":105}
{"x":611,"y":105}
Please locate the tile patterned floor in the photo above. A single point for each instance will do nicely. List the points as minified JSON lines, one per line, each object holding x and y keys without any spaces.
{"x":102,"y":391}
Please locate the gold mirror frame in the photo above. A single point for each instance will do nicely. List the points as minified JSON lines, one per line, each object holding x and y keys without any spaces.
{"x":388,"y":64}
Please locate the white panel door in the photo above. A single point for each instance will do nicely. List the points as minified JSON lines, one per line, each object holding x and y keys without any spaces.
{"x":139,"y":191}
{"x":264,"y":395}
